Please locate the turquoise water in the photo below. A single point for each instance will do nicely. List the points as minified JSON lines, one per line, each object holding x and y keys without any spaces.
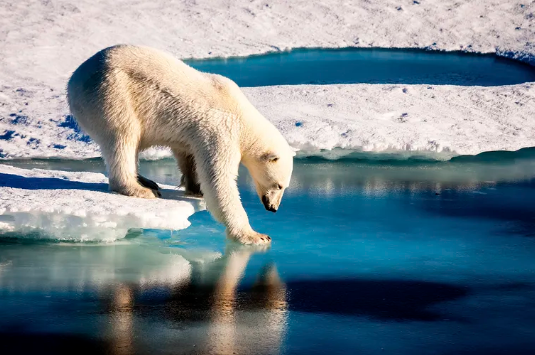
{"x":367,"y":257}
{"x":370,"y":66}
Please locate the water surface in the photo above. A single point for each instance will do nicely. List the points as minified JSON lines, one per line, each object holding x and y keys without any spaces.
{"x":369,"y":66}
{"x":367,"y":257}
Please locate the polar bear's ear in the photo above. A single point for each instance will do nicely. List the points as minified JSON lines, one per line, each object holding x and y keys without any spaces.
{"x":270,"y":157}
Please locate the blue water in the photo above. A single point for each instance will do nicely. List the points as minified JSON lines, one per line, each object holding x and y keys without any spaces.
{"x":370,"y":66}
{"x":367,"y":257}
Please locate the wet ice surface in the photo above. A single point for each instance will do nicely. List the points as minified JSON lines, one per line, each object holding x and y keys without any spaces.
{"x":374,"y":258}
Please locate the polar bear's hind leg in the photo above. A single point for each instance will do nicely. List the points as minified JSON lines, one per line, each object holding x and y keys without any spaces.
{"x":189,"y":179}
{"x":120,"y":157}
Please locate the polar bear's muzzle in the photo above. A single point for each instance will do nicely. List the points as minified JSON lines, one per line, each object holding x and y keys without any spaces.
{"x":268,"y":205}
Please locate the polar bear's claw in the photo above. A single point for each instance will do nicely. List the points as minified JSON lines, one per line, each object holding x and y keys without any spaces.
{"x":147,"y":183}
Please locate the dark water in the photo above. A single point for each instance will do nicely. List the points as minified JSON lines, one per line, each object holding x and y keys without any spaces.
{"x":369,"y":66}
{"x":367,"y":257}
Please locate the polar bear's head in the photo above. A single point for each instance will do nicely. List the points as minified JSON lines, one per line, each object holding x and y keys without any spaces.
{"x":271,"y":172}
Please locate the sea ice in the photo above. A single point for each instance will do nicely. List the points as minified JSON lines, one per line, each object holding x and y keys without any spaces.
{"x":437,"y":121}
{"x":38,"y":57}
{"x":77,"y":206}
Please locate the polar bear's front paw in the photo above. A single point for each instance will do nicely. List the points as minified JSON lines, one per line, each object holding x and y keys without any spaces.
{"x":253,"y":238}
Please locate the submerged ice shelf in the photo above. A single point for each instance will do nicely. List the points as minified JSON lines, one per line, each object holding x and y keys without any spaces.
{"x":77,"y":206}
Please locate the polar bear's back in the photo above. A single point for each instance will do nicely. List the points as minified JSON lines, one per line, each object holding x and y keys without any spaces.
{"x":140,"y":64}
{"x":146,"y":70}
{"x":151,"y":64}
{"x":161,"y":93}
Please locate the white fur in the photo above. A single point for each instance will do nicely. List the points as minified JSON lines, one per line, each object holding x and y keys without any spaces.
{"x":130,"y":98}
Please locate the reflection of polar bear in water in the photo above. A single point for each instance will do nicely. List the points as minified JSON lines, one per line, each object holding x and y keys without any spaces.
{"x":131,"y":98}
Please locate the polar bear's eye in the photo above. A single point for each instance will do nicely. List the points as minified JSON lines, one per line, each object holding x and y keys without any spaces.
{"x":270,"y":157}
{"x":279,"y":186}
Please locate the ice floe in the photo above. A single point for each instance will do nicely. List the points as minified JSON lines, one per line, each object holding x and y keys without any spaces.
{"x":77,"y":206}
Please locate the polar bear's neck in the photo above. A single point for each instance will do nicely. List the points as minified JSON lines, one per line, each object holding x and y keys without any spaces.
{"x":258,"y":135}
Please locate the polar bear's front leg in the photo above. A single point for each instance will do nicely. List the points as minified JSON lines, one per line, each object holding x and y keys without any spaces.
{"x":217,"y":170}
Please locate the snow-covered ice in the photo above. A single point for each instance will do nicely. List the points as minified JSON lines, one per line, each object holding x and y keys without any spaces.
{"x":42,"y":42}
{"x":416,"y":119}
{"x":437,"y":121}
{"x":77,"y":206}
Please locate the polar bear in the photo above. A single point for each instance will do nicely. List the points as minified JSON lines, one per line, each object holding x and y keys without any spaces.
{"x":129,"y":98}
